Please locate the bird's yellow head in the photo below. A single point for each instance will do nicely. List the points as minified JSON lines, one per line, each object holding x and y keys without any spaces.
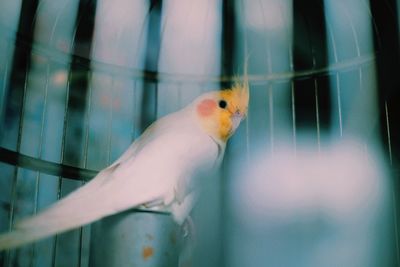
{"x":220,"y":112}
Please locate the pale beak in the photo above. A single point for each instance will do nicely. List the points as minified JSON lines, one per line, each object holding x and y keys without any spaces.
{"x":236,"y":118}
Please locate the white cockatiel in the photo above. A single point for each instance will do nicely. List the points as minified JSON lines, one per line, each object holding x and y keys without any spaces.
{"x":156,"y":171}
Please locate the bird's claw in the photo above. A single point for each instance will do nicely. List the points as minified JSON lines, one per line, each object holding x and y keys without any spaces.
{"x":189,"y":229}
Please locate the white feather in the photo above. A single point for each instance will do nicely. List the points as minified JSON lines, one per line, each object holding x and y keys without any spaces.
{"x":157,"y":167}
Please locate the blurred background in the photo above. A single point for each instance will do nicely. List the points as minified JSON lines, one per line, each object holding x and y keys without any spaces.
{"x":309,"y":179}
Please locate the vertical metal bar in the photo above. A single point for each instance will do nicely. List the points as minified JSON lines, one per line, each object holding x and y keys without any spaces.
{"x":15,"y":95}
{"x":314,"y":65}
{"x":16,"y":170}
{"x":269,"y":63}
{"x":388,"y":133}
{"x":301,"y":45}
{"x":387,"y":42}
{"x":271,"y":116}
{"x":86,"y":229}
{"x":332,"y":36}
{"x":85,"y":152}
{"x":42,"y":124}
{"x":35,"y":15}
{"x":247,"y":123}
{"x":394,"y":194}
{"x":141,"y":34}
{"x":246,"y":66}
{"x":73,"y":135}
{"x":293,"y":115}
{"x":65,"y":122}
{"x":317,"y":113}
{"x":53,"y":29}
{"x":308,"y":54}
{"x":353,"y":30}
{"x":4,"y":88}
{"x":228,"y":44}
{"x":40,"y":148}
{"x":62,"y":155}
{"x":12,"y":203}
{"x":270,"y":88}
{"x":287,"y":28}
{"x":335,"y":60}
{"x":339,"y":104}
{"x":396,"y":230}
{"x":133,"y":135}
{"x":374,"y":23}
{"x":360,"y":78}
{"x":228,"y":48}
{"x":80,"y":245}
{"x":110,"y":119}
{"x":88,"y":110}
{"x":87,"y":123}
{"x":21,"y":62}
{"x":150,"y":94}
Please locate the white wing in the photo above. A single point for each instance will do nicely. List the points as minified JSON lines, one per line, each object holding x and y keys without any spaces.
{"x":149,"y":170}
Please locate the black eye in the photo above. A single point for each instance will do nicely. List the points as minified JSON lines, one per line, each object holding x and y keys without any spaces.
{"x":222,"y":104}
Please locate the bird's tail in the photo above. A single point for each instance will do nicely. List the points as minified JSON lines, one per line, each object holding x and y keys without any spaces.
{"x":79,"y":208}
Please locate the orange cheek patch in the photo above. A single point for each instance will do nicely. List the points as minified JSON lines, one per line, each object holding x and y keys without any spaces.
{"x":206,"y":107}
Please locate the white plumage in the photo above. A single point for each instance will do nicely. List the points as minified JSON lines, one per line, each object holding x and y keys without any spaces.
{"x":157,"y":170}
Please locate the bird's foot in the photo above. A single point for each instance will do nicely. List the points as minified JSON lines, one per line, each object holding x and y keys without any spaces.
{"x":189,"y":242}
{"x":189,"y":229}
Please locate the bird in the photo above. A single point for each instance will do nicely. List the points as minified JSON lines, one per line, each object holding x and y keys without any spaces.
{"x":160,"y":169}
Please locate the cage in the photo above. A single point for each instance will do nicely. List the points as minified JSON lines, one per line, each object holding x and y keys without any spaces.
{"x":309,"y":179}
